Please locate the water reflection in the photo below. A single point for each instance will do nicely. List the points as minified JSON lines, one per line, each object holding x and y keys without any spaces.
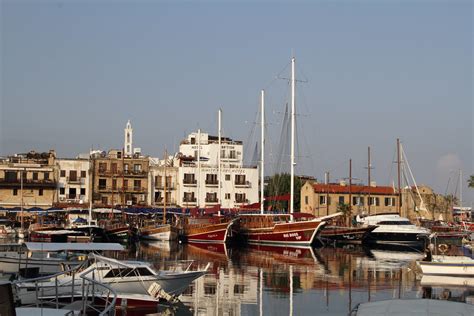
{"x":262,"y":280}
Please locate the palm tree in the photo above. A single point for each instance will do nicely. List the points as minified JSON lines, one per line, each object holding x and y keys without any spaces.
{"x":346,"y":210}
{"x":471,"y":181}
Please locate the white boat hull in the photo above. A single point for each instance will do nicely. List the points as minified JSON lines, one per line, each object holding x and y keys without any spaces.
{"x":449,"y":265}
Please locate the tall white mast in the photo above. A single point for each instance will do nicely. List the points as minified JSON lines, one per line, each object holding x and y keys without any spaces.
{"x":199,"y":170}
{"x":262,"y":161}
{"x":89,"y":222}
{"x":460,"y":188}
{"x":292,"y":174}
{"x":219,"y":162}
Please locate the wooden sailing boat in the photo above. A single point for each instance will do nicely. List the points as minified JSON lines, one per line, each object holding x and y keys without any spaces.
{"x":163,"y":231}
{"x":284,"y":229}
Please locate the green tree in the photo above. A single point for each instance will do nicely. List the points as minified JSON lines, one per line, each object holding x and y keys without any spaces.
{"x":471,"y":181}
{"x":280,"y":184}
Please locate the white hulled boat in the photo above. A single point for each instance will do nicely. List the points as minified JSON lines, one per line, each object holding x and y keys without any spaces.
{"x":448,"y":265}
{"x":394,"y":230}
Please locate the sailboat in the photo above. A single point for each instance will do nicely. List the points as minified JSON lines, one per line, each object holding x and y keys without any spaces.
{"x":299,"y":229}
{"x":163,"y":231}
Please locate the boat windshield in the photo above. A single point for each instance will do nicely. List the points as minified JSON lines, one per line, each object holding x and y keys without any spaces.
{"x":127,"y":272}
{"x":394,"y":223}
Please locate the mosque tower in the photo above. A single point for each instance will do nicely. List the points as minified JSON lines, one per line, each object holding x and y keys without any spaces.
{"x":128,"y":148}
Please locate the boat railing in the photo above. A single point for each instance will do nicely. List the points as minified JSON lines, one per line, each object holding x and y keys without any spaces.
{"x":93,"y":292}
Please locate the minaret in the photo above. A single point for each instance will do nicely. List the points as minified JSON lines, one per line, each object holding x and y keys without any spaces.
{"x":127,"y":146}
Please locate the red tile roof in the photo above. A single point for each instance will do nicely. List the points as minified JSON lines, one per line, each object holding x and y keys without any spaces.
{"x":355,"y":189}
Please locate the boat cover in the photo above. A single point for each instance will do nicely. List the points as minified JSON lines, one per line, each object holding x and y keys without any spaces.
{"x":418,"y":307}
{"x":68,"y":246}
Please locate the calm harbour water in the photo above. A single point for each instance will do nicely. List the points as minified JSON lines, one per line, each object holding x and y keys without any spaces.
{"x":261,"y":280}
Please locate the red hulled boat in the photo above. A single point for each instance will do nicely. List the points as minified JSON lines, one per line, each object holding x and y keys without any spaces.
{"x":207,"y":229}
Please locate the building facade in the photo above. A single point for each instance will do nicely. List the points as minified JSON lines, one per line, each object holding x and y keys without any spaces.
{"x":323,"y":199}
{"x":28,"y":180}
{"x":200,"y":181}
{"x":74,"y":181}
{"x":159,"y":173}
{"x":119,"y":179}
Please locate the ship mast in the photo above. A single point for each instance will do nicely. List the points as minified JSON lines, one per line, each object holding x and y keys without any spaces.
{"x":219,"y":162}
{"x":262,"y":161}
{"x":199,"y":170}
{"x":292,"y":173}
{"x":165,"y":188}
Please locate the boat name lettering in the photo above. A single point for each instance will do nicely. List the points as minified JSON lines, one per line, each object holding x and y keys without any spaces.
{"x":291,"y":235}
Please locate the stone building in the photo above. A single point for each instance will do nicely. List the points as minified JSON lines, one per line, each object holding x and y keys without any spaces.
{"x":119,"y":179}
{"x":29,"y":180}
{"x":323,"y":199}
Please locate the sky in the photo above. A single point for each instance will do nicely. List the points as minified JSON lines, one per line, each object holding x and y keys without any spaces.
{"x":74,"y":72}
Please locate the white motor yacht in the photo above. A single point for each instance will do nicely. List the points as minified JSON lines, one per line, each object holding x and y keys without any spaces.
{"x":394,"y":230}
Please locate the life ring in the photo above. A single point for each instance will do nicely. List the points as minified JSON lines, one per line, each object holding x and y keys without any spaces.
{"x":443,"y":248}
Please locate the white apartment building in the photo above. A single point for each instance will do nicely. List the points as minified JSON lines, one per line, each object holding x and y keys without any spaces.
{"x":159,"y":173}
{"x":202,"y":184}
{"x":73,"y":180}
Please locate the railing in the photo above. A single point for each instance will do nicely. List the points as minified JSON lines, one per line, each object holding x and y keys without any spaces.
{"x":189,"y":200}
{"x":241,"y":201}
{"x":90,"y":289}
{"x":212,"y":183}
{"x":120,"y":173}
{"x":245,"y":184}
{"x":80,"y":180}
{"x":169,"y":186}
{"x":28,"y":182}
{"x":192,"y":182}
{"x":212,"y":201}
{"x":120,"y":189}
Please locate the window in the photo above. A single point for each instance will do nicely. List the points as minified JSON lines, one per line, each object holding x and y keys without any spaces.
{"x":232,"y":154}
{"x":119,"y":154}
{"x":102,"y":184}
{"x":239,"y":289}
{"x":357,"y":200}
{"x":125,"y":184}
{"x":374,"y":201}
{"x":104,"y":200}
{"x":40,"y":192}
{"x":240,"y":198}
{"x":125,"y":168}
{"x":189,"y":197}
{"x":306,"y":200}
{"x":113,"y":167}
{"x":137,"y":185}
{"x":114,"y":184}
{"x":341,"y":199}
{"x":211,"y":178}
{"x":322,"y":200}
{"x":35,"y":175}
{"x":102,"y":167}
{"x":83,"y":191}
{"x":240,"y":179}
{"x":223,"y":153}
{"x":83,"y":174}
{"x":62,"y":191}
{"x":211,"y":197}
{"x":193,"y":140}
{"x":24,"y":174}
{"x":15,"y":191}
{"x":72,"y":193}
{"x":46,"y":175}
{"x":137,"y":167}
{"x":227,"y":196}
{"x":389,"y":201}
{"x":227,"y":177}
{"x":128,"y":137}
{"x":62,"y":173}
{"x":73,"y":175}
{"x":189,"y":178}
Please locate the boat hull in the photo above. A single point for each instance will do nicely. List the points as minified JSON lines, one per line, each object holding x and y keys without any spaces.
{"x":346,"y":234}
{"x":163,"y":232}
{"x":293,"y":233}
{"x":448,"y":268}
{"x":215,"y":233}
{"x":397,"y":239}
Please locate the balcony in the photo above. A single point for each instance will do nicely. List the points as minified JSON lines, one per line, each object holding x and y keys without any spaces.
{"x":160,"y":201}
{"x":76,"y":180}
{"x":189,"y":182}
{"x":120,"y":189}
{"x":212,"y":183}
{"x":212,"y":201}
{"x":189,"y":201}
{"x":27,"y":183}
{"x":241,"y":201}
{"x":242,"y":184}
{"x":169,"y":186}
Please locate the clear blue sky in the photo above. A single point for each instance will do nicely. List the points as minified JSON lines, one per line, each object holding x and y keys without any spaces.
{"x":73,"y":73}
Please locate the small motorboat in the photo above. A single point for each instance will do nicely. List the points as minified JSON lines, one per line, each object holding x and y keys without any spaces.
{"x":448,"y":265}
